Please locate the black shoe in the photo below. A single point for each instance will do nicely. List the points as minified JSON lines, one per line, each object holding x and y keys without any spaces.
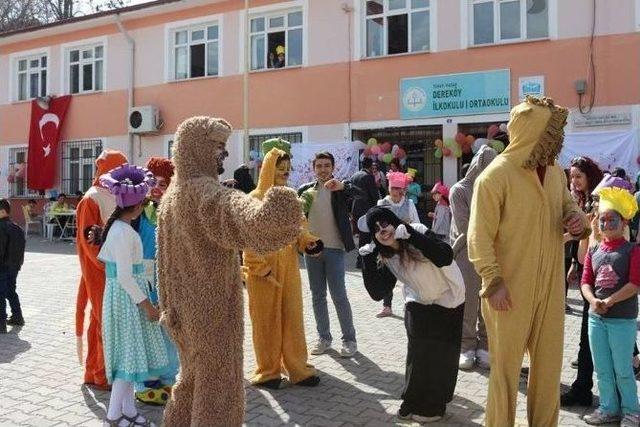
{"x":568,"y":309}
{"x":312,"y":381}
{"x":574,"y":364}
{"x":3,"y":327}
{"x":572,"y":398}
{"x":270,"y":384}
{"x":16,"y":321}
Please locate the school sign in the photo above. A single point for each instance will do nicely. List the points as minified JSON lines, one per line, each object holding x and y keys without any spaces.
{"x":455,"y":94}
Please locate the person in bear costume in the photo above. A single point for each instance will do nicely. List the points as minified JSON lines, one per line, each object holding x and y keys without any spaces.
{"x":93,"y":211}
{"x":201,"y":227}
{"x":519,"y":212}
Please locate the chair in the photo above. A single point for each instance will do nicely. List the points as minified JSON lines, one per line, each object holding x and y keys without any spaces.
{"x":29,"y":222}
{"x":49,"y":226}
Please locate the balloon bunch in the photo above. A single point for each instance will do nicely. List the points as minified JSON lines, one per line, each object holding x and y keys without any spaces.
{"x":468,"y":143}
{"x":384,"y":152}
{"x":256,"y":158}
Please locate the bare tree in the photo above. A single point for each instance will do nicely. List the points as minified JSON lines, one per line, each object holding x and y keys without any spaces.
{"x":16,"y":14}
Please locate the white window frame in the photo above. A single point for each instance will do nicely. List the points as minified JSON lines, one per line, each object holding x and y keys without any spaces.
{"x":12,"y":161}
{"x":189,"y":25}
{"x":14,"y":60}
{"x":274,"y":10}
{"x":284,"y":14}
{"x":496,"y":22}
{"x":80,"y":45}
{"x":386,"y":13}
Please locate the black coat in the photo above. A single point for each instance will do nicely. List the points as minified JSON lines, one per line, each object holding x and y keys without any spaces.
{"x":340,"y":208}
{"x":369,"y":193}
{"x":12,"y":243}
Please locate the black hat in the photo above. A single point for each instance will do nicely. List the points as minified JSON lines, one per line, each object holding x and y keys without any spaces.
{"x":379,"y":213}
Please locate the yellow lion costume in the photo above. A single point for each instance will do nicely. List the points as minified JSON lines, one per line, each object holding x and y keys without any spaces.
{"x":519,"y":210}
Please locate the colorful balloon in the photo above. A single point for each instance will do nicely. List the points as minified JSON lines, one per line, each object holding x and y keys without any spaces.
{"x":386,"y":147}
{"x":470,"y":139}
{"x":446,"y":152}
{"x":401,"y":154}
{"x":395,"y":149}
{"x":497,"y":145}
{"x":492,"y":131}
{"x":479,"y":143}
{"x":438,"y":153}
{"x":449,"y":143}
{"x":367,"y":151}
{"x":371,"y":142}
{"x":380,"y":157}
{"x":438,"y":143}
{"x":387,"y":157}
{"x":376,"y":150}
{"x":460,"y":138}
{"x":503,"y":127}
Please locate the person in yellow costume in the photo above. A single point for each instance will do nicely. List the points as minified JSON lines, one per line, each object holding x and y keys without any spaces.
{"x":275,"y":291}
{"x":519,"y":212}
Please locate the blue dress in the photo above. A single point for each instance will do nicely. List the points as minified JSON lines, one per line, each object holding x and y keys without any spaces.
{"x":134,"y":347}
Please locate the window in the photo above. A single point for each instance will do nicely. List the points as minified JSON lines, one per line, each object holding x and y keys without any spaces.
{"x":195,"y":52}
{"x":18,"y":173}
{"x":78,"y":165}
{"x":276,"y":40}
{"x":31,"y":81}
{"x":255,"y":143}
{"x":86,"y":69}
{"x":396,"y":26}
{"x":496,"y":21}
{"x":170,"y":149}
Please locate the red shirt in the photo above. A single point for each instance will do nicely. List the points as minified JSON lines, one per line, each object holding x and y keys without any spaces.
{"x":588,"y":276}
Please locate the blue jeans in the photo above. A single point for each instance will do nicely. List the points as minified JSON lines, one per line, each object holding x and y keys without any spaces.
{"x":328,"y":269}
{"x":611,"y":342}
{"x":8,"y":293}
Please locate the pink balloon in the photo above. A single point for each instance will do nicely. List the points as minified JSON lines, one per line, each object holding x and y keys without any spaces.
{"x":460,"y":138}
{"x":381,"y":157}
{"x":376,"y":150}
{"x":386,"y":147}
{"x":401,"y":154}
{"x":446,"y":151}
{"x":367,"y":151}
{"x":492,"y":131}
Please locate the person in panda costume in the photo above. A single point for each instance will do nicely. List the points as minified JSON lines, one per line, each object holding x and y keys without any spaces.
{"x":434,"y":294}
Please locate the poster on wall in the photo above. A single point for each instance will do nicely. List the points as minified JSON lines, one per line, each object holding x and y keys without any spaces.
{"x":607,"y":149}
{"x":462,"y":94}
{"x":532,"y":85}
{"x":346,"y":155}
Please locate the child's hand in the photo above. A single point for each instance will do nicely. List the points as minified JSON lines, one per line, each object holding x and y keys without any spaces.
{"x":608,"y":302}
{"x":598,"y":306}
{"x":153,"y":314}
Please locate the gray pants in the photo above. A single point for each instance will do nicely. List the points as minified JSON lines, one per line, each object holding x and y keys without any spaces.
{"x":474,"y":333}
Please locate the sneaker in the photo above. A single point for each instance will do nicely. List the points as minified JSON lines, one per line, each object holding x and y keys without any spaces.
{"x":349,"y":348}
{"x":417,"y":418}
{"x":15,"y":321}
{"x":3,"y":327}
{"x":572,"y":398}
{"x":630,"y":420}
{"x":467,"y":360}
{"x":320,"y":347}
{"x":598,"y":417}
{"x":482,"y":357}
{"x":386,"y":312}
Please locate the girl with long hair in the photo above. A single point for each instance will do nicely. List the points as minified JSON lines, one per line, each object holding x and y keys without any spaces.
{"x":434,"y":306}
{"x":134,"y":348}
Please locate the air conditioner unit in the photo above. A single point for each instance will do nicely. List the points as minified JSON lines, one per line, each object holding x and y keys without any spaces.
{"x":144,"y":119}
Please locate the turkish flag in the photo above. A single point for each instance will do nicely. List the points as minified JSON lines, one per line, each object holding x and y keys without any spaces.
{"x":44,"y":135}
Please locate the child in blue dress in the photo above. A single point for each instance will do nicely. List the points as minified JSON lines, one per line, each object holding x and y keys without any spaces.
{"x":134,"y":348}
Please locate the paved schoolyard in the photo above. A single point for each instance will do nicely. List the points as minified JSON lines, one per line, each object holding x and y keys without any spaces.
{"x":40,"y":379}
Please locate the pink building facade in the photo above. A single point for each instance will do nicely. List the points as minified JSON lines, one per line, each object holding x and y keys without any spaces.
{"x":341,"y":79}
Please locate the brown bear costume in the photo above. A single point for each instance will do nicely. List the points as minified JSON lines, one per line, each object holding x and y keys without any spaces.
{"x":201,"y":227}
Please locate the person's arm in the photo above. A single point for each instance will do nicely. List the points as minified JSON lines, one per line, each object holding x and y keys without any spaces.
{"x":88,"y":215}
{"x":434,"y":249}
{"x":351,"y":191}
{"x":235,"y":220}
{"x":4,"y":241}
{"x":370,"y":188}
{"x":124,"y":265}
{"x":378,"y":279}
{"x":484,"y":219}
{"x":257,"y":265}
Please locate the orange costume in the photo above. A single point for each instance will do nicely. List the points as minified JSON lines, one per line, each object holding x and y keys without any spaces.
{"x":94,"y":209}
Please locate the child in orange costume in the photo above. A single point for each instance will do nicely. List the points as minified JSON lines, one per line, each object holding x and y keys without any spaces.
{"x":94,"y":210}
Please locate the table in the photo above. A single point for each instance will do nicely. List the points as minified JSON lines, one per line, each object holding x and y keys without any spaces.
{"x":70,"y":224}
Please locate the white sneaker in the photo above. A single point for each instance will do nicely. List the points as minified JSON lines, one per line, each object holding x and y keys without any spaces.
{"x":320,"y":347}
{"x":418,"y":418}
{"x":482,"y":357}
{"x":467,"y":360}
{"x":349,"y":348}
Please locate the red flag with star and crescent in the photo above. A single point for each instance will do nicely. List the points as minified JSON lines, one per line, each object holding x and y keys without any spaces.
{"x":44,"y":135}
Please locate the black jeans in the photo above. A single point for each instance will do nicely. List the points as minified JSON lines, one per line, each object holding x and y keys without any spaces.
{"x":386,"y":302}
{"x":584,"y":381}
{"x":8,"y":293}
{"x":434,"y":337}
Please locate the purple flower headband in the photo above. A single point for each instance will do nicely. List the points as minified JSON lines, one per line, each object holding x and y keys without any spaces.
{"x":130,"y":184}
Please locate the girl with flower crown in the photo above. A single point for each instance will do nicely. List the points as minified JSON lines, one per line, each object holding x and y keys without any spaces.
{"x":134,"y":349}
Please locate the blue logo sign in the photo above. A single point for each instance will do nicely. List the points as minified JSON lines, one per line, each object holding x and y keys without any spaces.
{"x":455,"y":94}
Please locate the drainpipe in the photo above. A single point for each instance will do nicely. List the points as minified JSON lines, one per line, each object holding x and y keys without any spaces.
{"x":130,"y":89}
{"x":245,"y":85}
